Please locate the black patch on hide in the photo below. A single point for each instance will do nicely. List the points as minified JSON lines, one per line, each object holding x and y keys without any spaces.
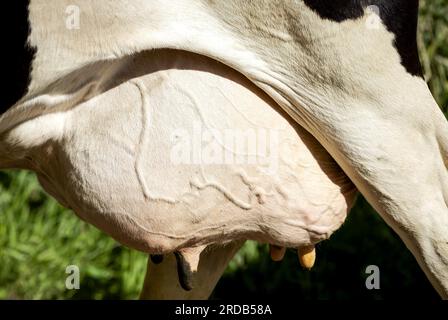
{"x":399,"y":16}
{"x":16,"y":55}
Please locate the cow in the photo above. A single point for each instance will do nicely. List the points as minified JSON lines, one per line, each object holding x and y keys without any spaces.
{"x":345,"y":71}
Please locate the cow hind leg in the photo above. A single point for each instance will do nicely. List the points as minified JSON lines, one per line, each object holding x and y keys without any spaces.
{"x":396,"y":156}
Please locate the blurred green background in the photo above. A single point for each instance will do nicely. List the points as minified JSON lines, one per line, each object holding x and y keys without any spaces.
{"x":39,"y":238}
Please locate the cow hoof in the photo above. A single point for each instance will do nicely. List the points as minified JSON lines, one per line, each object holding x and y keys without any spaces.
{"x":307,"y":256}
{"x":156,"y":258}
{"x":277,"y":253}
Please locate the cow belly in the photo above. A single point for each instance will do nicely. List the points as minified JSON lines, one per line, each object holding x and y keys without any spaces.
{"x":182,"y":157}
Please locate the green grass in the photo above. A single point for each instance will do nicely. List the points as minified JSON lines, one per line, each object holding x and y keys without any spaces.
{"x":433,"y":46}
{"x":39,"y":239}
